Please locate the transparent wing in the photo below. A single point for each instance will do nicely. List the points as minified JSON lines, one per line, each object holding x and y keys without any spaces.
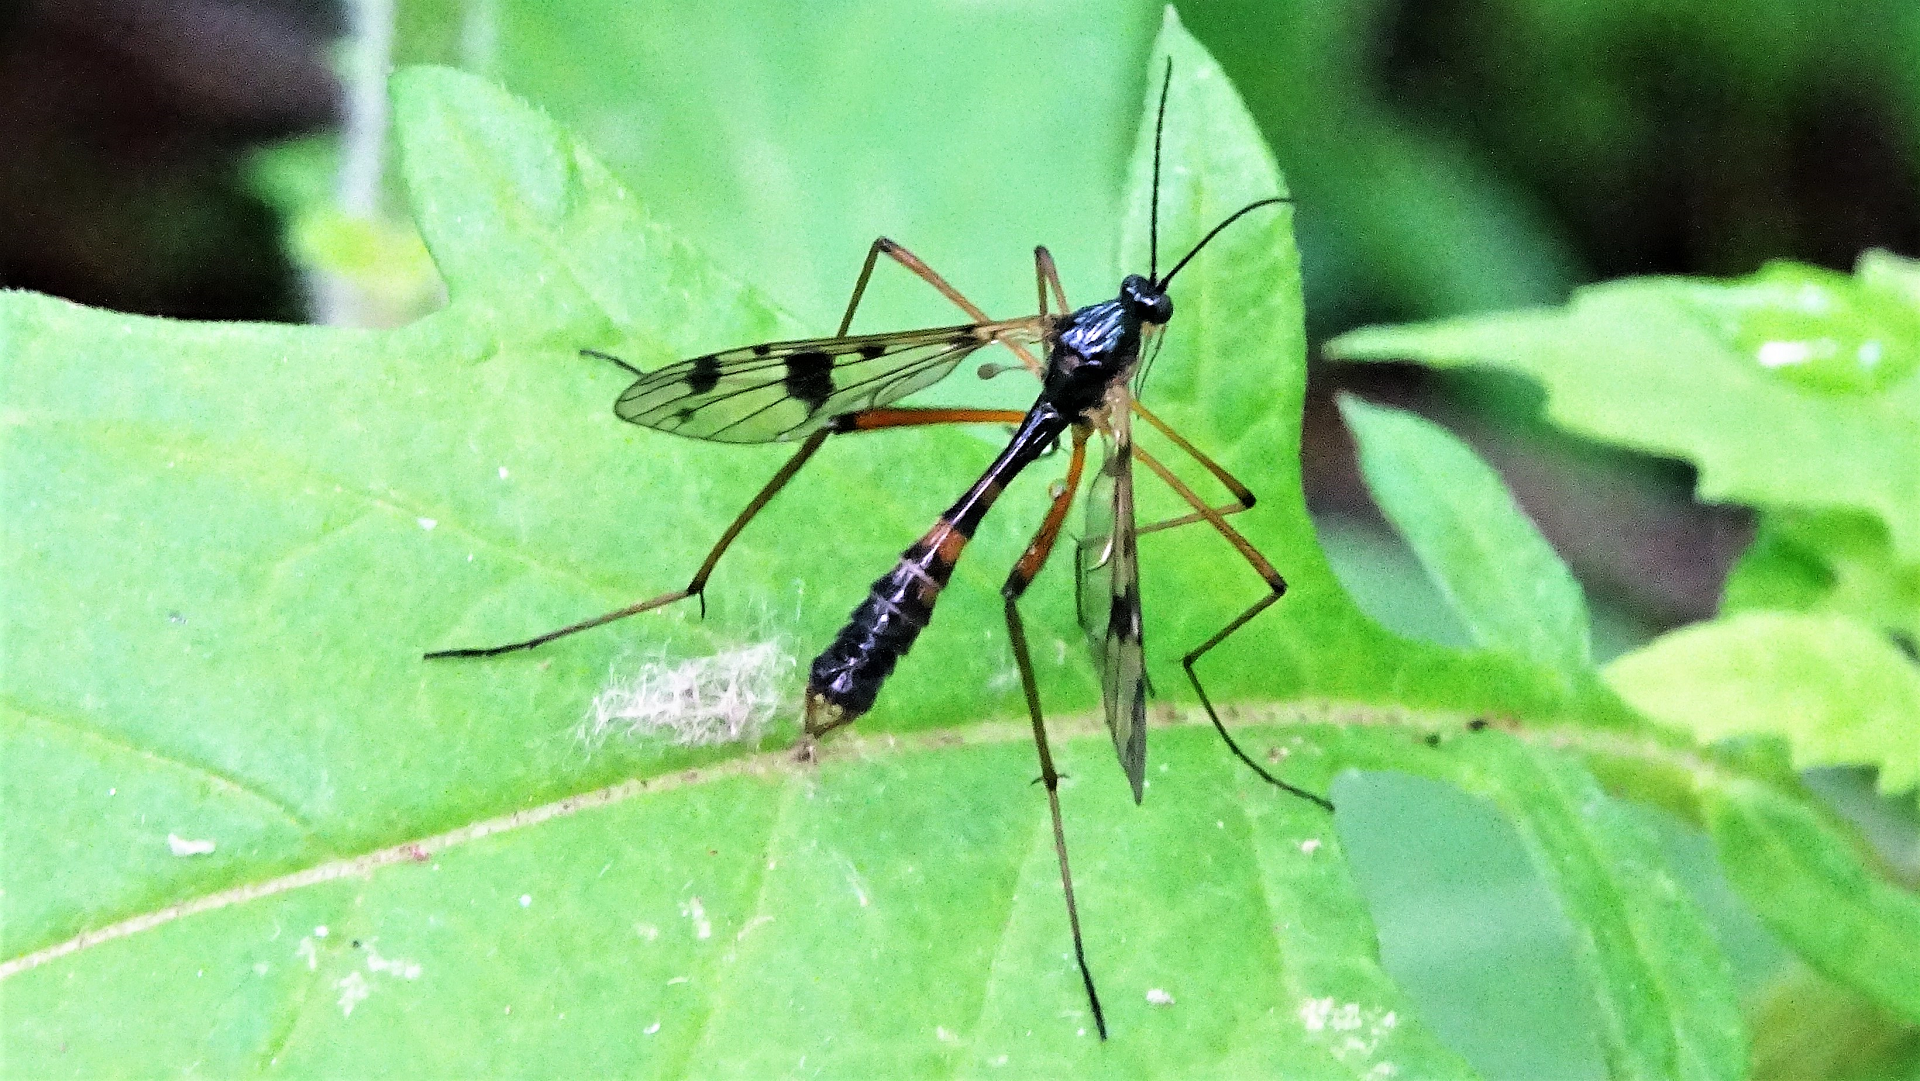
{"x":1109,"y":594}
{"x":785,"y":390}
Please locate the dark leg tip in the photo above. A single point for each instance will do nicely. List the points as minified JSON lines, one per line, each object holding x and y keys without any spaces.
{"x":1099,"y":1015}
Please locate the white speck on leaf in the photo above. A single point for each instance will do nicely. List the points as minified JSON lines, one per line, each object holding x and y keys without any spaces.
{"x":651,"y":1029}
{"x":1350,"y":1032}
{"x":526,"y":900}
{"x":427,"y":523}
{"x":647,"y":931}
{"x":354,"y":990}
{"x":1309,"y":845}
{"x":406,"y":970}
{"x":1157,"y":997}
{"x":692,"y":909}
{"x":181,"y":846}
{"x":944,"y":1035}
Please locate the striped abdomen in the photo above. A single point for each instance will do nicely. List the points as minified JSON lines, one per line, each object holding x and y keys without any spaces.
{"x":846,"y":677}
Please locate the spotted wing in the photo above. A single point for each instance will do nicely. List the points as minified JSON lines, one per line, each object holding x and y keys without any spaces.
{"x":1109,"y":592}
{"x":786,"y":390}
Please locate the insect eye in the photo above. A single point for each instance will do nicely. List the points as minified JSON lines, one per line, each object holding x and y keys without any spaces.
{"x":1160,"y":309}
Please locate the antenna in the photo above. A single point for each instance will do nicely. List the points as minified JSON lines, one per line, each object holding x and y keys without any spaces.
{"x":1153,"y":214}
{"x":1231,"y":218}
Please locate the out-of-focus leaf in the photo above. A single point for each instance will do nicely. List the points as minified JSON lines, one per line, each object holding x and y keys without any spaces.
{"x":1807,"y":1029}
{"x":1836,"y":563}
{"x":1660,"y":989}
{"x":1810,"y":886}
{"x":1795,"y":388}
{"x":1835,"y":691}
{"x":979,"y":131}
{"x":1498,"y":573}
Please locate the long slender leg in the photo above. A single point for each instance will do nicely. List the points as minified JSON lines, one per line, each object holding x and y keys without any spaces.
{"x":880,"y":418}
{"x":1240,"y":491}
{"x":1047,"y":274}
{"x":694,"y":588}
{"x":1023,"y":573}
{"x":1242,"y":495}
{"x":1277,"y":587}
{"x":868,"y":420}
{"x":925,"y":273}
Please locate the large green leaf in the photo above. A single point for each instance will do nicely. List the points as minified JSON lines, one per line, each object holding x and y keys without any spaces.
{"x":1795,"y":388}
{"x":733,"y":122}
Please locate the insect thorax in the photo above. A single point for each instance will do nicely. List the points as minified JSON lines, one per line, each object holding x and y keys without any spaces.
{"x":1097,"y":346}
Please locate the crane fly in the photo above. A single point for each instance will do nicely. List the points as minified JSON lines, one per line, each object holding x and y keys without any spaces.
{"x":813,"y":389}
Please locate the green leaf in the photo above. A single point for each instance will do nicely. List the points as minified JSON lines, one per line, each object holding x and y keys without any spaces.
{"x":1499,"y":575}
{"x":733,"y":123}
{"x":1807,"y":882}
{"x":1231,"y":376}
{"x":1660,"y":986}
{"x":506,"y":198}
{"x":1661,"y":993}
{"x":1836,"y":563}
{"x":1795,"y":388}
{"x":1808,"y":1029}
{"x":1835,"y":691}
{"x":764,"y":920}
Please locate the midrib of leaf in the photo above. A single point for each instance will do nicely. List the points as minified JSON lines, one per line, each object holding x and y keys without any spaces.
{"x":1483,"y":543}
{"x":1538,"y":611}
{"x":1402,"y":725}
